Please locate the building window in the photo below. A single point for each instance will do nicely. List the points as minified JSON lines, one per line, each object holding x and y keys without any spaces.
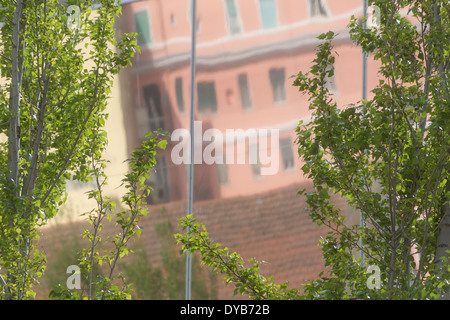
{"x":142,"y":27}
{"x":207,"y":100}
{"x":287,"y":154}
{"x":234,"y":26}
{"x":173,"y":23}
{"x":179,"y":93}
{"x":268,"y":11}
{"x":317,"y":8}
{"x":245,"y":91}
{"x":158,"y":180}
{"x":152,"y":100}
{"x":277,"y":80}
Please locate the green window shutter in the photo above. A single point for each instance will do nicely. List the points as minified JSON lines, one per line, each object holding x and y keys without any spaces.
{"x":268,"y":10}
{"x":231,"y":8}
{"x":179,"y":92}
{"x":244,"y":89}
{"x":317,"y":8}
{"x":207,"y":99}
{"x":142,"y":26}
{"x":233,"y":19}
{"x":277,"y":79}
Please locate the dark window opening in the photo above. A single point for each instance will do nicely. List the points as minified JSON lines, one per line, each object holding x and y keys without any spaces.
{"x":245,"y":91}
{"x":277,"y":79}
{"x":152,"y":100}
{"x":207,"y":99}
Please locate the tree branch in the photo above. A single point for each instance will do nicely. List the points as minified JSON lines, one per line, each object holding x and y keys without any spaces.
{"x":14,"y":104}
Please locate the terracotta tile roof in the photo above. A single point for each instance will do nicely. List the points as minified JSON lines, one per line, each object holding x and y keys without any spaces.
{"x":274,"y":226}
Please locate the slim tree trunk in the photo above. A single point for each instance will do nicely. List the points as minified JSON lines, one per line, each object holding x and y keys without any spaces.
{"x":14,"y":101}
{"x":14,"y":122}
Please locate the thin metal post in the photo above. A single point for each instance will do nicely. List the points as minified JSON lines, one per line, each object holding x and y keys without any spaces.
{"x":364,"y":75}
{"x":191,"y":165}
{"x":364,"y":96}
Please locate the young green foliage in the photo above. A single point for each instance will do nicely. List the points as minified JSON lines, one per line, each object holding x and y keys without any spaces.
{"x":388,"y":156}
{"x":100,"y":253}
{"x":247,"y":280}
{"x":56,"y":82}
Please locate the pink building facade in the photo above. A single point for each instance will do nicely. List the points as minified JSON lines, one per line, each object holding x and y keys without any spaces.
{"x":247,"y":51}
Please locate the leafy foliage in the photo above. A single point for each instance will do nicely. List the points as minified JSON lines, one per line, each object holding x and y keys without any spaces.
{"x":247,"y":280}
{"x":387,"y":156}
{"x":167,"y":281}
{"x":56,"y":84}
{"x":98,"y":254}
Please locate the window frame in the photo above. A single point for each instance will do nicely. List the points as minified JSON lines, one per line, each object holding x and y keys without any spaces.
{"x":278,"y":101}
{"x":154,"y":120}
{"x":248,"y":92}
{"x":179,"y":95}
{"x":202,"y":110}
{"x":260,"y":13}
{"x":284,"y":142}
{"x":145,"y":11}
{"x":238,"y":18}
{"x":319,"y":15}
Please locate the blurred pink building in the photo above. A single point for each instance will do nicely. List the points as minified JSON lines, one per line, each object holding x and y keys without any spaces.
{"x":247,"y":51}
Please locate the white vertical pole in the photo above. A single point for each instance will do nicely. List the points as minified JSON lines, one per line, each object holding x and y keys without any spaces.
{"x":191,"y":165}
{"x":364,"y":75}
{"x":364,"y":96}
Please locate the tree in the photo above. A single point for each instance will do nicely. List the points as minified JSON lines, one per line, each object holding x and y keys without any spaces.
{"x":244,"y":274}
{"x":167,"y":281}
{"x":57,"y":63}
{"x":387,"y":156}
{"x":101,"y":252}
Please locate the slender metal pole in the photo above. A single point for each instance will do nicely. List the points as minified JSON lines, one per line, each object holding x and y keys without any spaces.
{"x":191,"y":165}
{"x":364,"y":96}
{"x":364,"y":75}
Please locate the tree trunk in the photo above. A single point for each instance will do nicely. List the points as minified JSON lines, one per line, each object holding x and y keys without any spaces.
{"x":14,"y":121}
{"x":14,"y":101}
